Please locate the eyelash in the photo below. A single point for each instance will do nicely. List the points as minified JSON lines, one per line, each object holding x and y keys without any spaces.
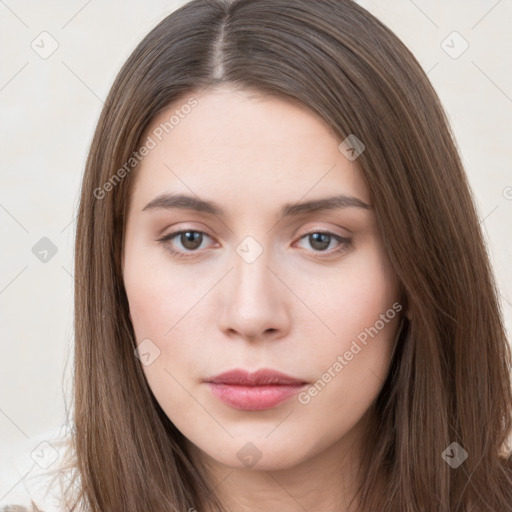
{"x":345,"y":243}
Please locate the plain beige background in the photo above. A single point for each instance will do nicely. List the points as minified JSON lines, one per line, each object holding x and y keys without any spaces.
{"x":50,"y":104}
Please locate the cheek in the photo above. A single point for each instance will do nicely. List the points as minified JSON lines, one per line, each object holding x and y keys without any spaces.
{"x":157,"y":298}
{"x":164,"y":304}
{"x":350,"y":300}
{"x":158,"y":305}
{"x":351,"y":358}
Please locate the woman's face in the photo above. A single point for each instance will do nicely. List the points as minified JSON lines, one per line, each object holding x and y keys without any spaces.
{"x":264,"y":278}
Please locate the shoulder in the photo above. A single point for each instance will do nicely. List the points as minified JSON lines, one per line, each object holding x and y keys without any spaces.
{"x":19,"y":508}
{"x":31,"y":479}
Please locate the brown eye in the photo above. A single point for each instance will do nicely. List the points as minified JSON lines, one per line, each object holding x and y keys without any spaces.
{"x":191,"y":239}
{"x":320,"y":241}
{"x":184,"y":243}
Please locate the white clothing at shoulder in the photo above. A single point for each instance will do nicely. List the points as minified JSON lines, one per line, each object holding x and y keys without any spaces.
{"x":34,"y":475}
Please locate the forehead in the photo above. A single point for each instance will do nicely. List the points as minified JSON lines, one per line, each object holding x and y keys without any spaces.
{"x":245,"y":145}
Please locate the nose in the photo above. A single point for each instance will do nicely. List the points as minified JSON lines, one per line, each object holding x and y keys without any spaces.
{"x":254,"y":302}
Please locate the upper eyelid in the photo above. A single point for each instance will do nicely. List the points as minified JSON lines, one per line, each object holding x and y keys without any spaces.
{"x":307,"y":231}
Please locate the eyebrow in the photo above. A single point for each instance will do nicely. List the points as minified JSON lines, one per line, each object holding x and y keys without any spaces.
{"x":185,"y":202}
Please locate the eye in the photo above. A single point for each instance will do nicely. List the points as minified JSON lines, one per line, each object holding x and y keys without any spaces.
{"x":189,"y":239}
{"x":321,"y":240}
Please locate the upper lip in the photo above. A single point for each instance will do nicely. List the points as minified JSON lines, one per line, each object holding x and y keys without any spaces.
{"x":262,"y":377}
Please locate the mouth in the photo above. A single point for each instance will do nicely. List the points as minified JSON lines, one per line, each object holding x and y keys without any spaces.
{"x":256,"y":391}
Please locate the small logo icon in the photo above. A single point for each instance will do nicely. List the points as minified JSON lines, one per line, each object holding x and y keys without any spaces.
{"x":44,"y":455}
{"x":44,"y":250}
{"x":147,"y":352}
{"x":249,"y":249}
{"x":454,"y":455}
{"x":351,"y":147}
{"x":454,"y":45}
{"x":249,"y":455}
{"x":44,"y":45}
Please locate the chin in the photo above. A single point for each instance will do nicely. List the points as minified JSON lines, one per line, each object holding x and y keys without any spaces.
{"x":262,"y":455}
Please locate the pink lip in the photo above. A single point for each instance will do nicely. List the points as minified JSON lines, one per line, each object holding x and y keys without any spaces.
{"x":255,"y":391}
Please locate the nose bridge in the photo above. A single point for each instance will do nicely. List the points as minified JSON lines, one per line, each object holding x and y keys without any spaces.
{"x":254,"y":302}
{"x":251,"y":274}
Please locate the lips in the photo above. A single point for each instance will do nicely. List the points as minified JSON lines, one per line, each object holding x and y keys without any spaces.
{"x":256,"y":391}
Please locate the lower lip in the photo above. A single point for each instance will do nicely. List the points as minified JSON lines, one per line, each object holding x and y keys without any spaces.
{"x":254,"y":398}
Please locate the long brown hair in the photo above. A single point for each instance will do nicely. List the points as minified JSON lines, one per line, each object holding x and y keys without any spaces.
{"x":449,"y":379}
